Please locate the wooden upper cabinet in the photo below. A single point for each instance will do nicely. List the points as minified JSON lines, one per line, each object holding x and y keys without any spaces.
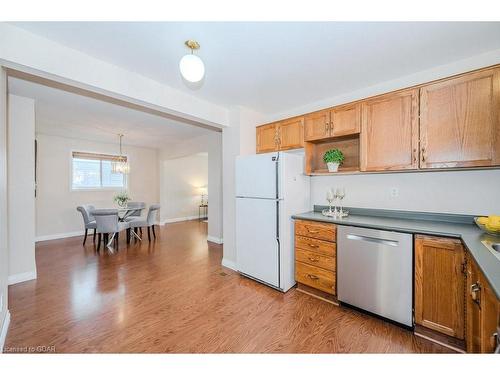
{"x":440,"y":285}
{"x":291,"y":133}
{"x":460,"y":121}
{"x":345,"y":120}
{"x":267,"y":138}
{"x":389,"y":132}
{"x":317,"y":125}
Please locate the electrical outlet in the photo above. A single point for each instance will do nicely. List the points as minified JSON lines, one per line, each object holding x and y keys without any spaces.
{"x":394,"y":192}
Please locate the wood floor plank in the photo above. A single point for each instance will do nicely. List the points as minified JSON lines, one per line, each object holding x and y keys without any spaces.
{"x":173,"y":296}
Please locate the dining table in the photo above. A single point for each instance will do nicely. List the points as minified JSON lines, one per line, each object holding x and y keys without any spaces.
{"x":123,"y":214}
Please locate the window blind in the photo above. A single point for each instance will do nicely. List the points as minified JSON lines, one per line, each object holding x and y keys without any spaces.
{"x":92,"y":156}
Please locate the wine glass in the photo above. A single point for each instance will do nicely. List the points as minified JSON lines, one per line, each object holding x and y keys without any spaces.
{"x":340,"y":193}
{"x":329,"y":198}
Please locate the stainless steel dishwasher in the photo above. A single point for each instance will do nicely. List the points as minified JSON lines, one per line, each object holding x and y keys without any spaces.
{"x":375,"y":272}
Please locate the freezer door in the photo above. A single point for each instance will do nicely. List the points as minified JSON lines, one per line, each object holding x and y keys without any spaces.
{"x":256,"y":175}
{"x":257,"y":247}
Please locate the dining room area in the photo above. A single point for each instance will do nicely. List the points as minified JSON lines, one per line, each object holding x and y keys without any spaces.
{"x":103,"y":177}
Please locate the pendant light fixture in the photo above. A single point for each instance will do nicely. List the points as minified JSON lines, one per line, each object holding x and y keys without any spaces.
{"x":191,"y":66}
{"x":120,"y":164}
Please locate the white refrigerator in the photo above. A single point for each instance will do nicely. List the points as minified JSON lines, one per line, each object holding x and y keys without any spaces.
{"x":270,"y":188}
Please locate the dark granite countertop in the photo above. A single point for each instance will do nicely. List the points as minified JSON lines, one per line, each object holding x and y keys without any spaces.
{"x":470,"y":235}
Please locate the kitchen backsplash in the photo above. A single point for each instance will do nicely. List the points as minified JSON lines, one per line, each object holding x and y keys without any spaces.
{"x":464,"y":192}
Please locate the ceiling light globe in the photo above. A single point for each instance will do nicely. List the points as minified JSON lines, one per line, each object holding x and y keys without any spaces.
{"x":192,"y":68}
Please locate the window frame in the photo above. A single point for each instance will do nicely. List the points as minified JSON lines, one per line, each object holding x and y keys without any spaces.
{"x":101,"y":188}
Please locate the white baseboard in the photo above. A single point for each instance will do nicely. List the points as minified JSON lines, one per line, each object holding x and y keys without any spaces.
{"x":229,"y":264}
{"x":177,"y":219}
{"x":21,"y":277}
{"x":217,"y":240}
{"x":5,"y":329}
{"x":61,"y":235}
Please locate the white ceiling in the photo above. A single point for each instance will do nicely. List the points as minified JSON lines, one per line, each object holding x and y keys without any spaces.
{"x":71,"y":115}
{"x":275,"y":67}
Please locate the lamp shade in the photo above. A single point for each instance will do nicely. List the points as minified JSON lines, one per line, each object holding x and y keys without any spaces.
{"x":192,"y":68}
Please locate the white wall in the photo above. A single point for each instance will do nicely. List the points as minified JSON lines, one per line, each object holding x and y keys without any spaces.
{"x":464,"y":192}
{"x":438,"y":72}
{"x":21,"y":189}
{"x":4,"y":249}
{"x":56,"y":203}
{"x":182,"y":179}
{"x":212,"y":144}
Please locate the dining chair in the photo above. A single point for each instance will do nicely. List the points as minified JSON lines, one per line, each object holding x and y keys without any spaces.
{"x":148,"y":221}
{"x":136,"y":213}
{"x":88,"y":219}
{"x":108,"y":222}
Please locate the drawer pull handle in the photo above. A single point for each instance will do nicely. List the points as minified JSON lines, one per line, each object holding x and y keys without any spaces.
{"x":312,"y":231}
{"x":314,"y":259}
{"x":313,"y":277}
{"x":313,"y":245}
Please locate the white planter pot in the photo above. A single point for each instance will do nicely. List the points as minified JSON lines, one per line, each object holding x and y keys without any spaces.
{"x":332,"y":167}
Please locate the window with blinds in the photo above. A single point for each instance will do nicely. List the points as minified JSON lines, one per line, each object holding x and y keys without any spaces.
{"x":93,"y":171}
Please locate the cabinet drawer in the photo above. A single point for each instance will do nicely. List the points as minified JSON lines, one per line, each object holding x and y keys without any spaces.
{"x":315,"y":259}
{"x":313,"y":229}
{"x":315,"y":277}
{"x":318,"y":246}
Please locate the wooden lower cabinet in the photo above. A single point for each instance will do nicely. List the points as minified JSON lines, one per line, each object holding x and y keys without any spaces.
{"x":453,"y":297}
{"x":315,"y":258}
{"x":483,"y":312}
{"x":440,"y":285}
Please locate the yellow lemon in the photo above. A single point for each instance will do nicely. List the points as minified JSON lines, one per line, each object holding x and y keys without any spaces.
{"x":494,"y":222}
{"x":482,"y":220}
{"x":491,"y":229}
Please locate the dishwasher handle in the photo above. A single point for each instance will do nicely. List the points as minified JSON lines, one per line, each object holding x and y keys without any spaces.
{"x":381,"y":241}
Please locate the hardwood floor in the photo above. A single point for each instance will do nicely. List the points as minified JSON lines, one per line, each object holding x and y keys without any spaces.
{"x":174,"y":296}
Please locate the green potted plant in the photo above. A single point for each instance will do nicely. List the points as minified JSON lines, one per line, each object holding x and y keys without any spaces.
{"x":333,"y":158}
{"x":122,"y":198}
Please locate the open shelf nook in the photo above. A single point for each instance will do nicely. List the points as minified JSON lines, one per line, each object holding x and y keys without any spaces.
{"x":314,"y":151}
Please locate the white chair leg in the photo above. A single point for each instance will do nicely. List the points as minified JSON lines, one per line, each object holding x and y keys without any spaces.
{"x":111,"y":240}
{"x":136,"y":235}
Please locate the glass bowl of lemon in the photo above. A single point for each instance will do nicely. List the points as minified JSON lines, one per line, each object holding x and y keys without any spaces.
{"x":489,"y":224}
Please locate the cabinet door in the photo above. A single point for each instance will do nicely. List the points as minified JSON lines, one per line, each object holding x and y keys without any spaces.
{"x":459,"y":121}
{"x":316,"y":125}
{"x":291,"y":134}
{"x":439,"y":285}
{"x":267,"y":138}
{"x":389,"y":132}
{"x":345,"y":120}
{"x":489,"y":317}
{"x":473,"y":290}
